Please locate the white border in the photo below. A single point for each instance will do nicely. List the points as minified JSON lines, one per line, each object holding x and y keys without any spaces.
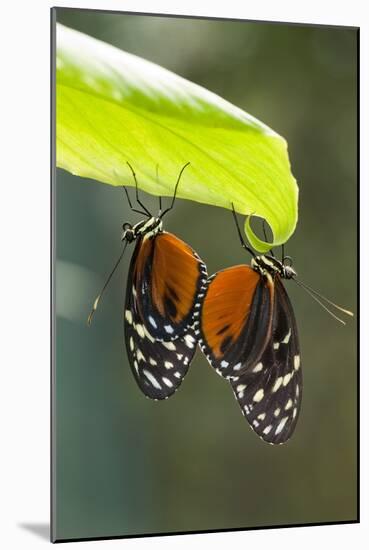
{"x":24,"y":401}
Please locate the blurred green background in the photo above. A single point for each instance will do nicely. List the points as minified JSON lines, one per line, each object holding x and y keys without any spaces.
{"x":126,"y":465}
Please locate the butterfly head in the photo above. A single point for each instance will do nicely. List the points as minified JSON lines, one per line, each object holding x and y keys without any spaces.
{"x":146,"y":228}
{"x":268,"y":264}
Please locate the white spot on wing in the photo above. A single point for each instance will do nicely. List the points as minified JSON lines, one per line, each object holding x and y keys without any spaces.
{"x":168,"y":365}
{"x":224,"y":364}
{"x":267,"y":429}
{"x":296,"y":362}
{"x":152,"y":322}
{"x":259,"y":395}
{"x":258,"y":367}
{"x":152,"y":379}
{"x":128,"y":315}
{"x":281,"y":425}
{"x":140,"y":330}
{"x":169,"y":345}
{"x":167,"y":382}
{"x":169,"y":329}
{"x":288,"y":405}
{"x":277,"y":384}
{"x":189,"y":340}
{"x":148,"y":335}
{"x":131,"y":344}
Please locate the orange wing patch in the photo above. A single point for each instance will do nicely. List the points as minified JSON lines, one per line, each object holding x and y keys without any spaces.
{"x":145,"y":251}
{"x":175,"y":276}
{"x":227,"y":305}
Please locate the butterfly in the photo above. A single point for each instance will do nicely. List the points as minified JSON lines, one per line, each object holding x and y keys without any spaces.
{"x":249,"y":335}
{"x":165,"y":286}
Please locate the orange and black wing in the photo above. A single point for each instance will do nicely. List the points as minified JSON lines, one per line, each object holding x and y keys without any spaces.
{"x":236,"y":319}
{"x":165,"y":287}
{"x":270,"y":391}
{"x":170,"y":280}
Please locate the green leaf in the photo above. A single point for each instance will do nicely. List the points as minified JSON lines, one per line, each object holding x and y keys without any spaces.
{"x":114,"y":107}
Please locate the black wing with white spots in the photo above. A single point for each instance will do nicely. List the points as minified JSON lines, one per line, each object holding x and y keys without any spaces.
{"x":158,"y":366}
{"x":270,"y":391}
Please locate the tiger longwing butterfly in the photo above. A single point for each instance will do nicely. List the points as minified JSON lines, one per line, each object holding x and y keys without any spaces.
{"x":249,"y":335}
{"x":165,"y":286}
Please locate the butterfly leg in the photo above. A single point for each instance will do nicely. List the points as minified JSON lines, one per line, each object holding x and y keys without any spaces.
{"x":243,"y":244}
{"x":130,"y":203}
{"x":147,"y":213}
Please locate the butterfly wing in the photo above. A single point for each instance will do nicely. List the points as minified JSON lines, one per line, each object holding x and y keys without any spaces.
{"x":236,"y":319}
{"x":159,"y":360}
{"x":158,"y":367}
{"x":170,"y":280}
{"x":269,"y":392}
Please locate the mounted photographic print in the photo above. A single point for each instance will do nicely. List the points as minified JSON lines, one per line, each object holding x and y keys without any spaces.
{"x":204,"y":282}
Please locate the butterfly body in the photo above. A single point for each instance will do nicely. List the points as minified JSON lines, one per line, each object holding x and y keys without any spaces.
{"x":145,"y":228}
{"x":249,"y":335}
{"x":270,"y":265}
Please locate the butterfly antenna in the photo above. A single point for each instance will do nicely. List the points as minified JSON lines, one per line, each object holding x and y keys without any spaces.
{"x":175,"y":190}
{"x":316,"y":295}
{"x":307,"y":287}
{"x":97,"y":300}
{"x":243,"y":244}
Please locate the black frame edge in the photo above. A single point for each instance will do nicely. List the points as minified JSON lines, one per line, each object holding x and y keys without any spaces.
{"x":52,"y":267}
